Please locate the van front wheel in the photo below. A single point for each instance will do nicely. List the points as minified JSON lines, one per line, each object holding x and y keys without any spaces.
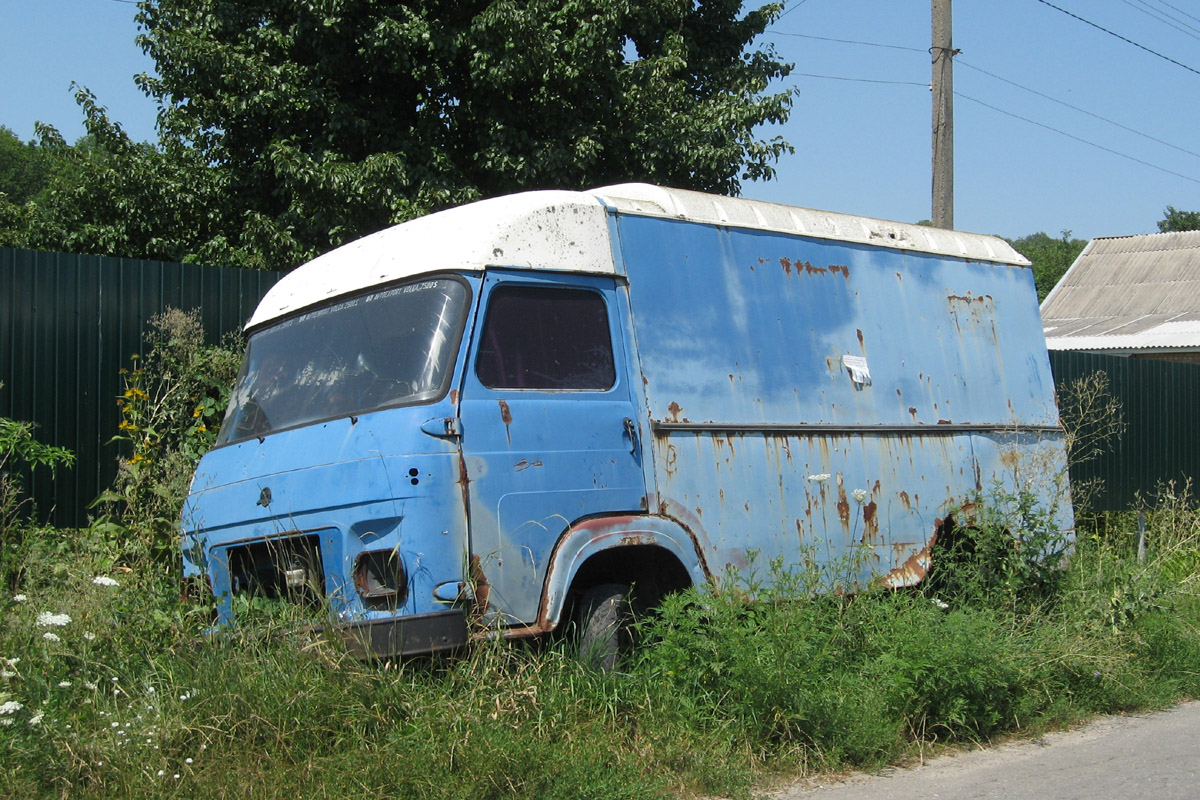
{"x":605,"y":624}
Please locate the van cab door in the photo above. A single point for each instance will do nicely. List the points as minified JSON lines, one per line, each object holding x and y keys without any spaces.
{"x":550,"y":432}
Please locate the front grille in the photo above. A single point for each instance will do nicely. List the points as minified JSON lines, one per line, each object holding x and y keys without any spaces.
{"x":279,"y":569}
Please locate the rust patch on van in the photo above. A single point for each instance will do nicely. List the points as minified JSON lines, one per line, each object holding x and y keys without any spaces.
{"x":870,"y":521}
{"x":454,"y":395}
{"x":840,"y":269}
{"x":813,"y":270}
{"x":506,"y":416}
{"x":862,"y":344}
{"x":483,"y":589}
{"x":905,"y":501}
{"x":786,"y":263}
{"x":523,"y":465}
{"x":674,"y":409}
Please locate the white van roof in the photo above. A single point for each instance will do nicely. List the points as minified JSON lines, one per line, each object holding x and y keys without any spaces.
{"x":568,"y":231}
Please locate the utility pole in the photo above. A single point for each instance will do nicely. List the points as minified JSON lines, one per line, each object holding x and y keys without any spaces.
{"x":943,"y":53}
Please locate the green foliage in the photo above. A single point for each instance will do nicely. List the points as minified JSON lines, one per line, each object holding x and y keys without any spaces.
{"x":1002,"y":551}
{"x":1051,"y":257}
{"x":171,"y":410}
{"x":287,"y":128}
{"x":764,"y":675}
{"x":18,"y":451}
{"x":24,"y":168}
{"x":1176,"y":220}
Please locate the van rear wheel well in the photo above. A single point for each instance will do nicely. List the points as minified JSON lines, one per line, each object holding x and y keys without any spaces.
{"x":652,"y":571}
{"x":610,"y":591}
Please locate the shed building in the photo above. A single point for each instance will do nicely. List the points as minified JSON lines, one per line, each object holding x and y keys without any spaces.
{"x":1134,"y":296}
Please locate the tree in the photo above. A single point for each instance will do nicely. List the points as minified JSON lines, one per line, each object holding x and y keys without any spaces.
{"x":1175,"y":220}
{"x":1051,"y":257}
{"x":24,"y":168}
{"x":316,"y":122}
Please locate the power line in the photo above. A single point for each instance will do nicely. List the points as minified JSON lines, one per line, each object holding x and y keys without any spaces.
{"x":846,"y":41}
{"x":999,"y":110}
{"x":859,"y":80}
{"x":1077,"y":108}
{"x":1119,"y":36}
{"x":790,"y":10}
{"x":1180,"y":10}
{"x":1076,"y":138}
{"x":1163,"y":17}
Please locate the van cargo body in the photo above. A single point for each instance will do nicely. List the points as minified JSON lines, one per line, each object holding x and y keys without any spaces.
{"x":496,"y":411}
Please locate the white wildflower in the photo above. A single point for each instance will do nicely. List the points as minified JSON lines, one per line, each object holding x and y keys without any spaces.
{"x":64,"y":684}
{"x":6,"y":721}
{"x":12,"y":662}
{"x":47,"y":620}
{"x":187,"y":761}
{"x":19,"y":598}
{"x":10,"y":707}
{"x":51,"y":637}
{"x":859,"y":494}
{"x":104,"y":580}
{"x":7,"y":674}
{"x":821,"y":478}
{"x":942,"y":604}
{"x":36,"y":719}
{"x":91,"y":687}
{"x":89,"y":635}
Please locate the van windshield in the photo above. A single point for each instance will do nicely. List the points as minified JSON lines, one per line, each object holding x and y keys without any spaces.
{"x":393,"y":347}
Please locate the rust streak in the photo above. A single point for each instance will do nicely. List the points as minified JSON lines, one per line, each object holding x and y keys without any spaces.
{"x":870,"y":522}
{"x":483,"y":589}
{"x":786,"y":263}
{"x":840,"y":269}
{"x":812,"y":270}
{"x":506,"y":416}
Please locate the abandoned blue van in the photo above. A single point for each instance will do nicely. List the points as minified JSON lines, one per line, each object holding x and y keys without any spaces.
{"x":519,"y":410}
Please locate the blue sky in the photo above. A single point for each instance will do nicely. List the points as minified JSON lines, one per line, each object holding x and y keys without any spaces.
{"x":1038,"y":93}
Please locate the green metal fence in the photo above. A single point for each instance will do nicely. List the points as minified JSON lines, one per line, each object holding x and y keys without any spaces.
{"x":68,"y":324}
{"x":1162,"y":439}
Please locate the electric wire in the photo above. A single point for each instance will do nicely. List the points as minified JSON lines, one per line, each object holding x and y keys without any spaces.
{"x":1114,"y":123}
{"x":859,"y":80}
{"x":1119,"y":36}
{"x":1163,"y":17}
{"x":846,"y":41}
{"x":790,"y":10}
{"x":1077,"y":138}
{"x":1177,"y":8}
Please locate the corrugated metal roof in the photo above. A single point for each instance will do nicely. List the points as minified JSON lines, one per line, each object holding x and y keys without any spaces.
{"x":1128,"y":293}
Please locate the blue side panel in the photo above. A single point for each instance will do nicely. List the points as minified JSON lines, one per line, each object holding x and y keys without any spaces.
{"x":751,"y":327}
{"x":822,"y":400}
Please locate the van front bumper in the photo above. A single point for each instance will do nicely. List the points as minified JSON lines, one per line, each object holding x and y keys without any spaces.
{"x":418,"y":634}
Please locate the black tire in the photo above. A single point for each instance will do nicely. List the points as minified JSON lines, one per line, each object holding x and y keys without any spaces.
{"x":605,"y":625}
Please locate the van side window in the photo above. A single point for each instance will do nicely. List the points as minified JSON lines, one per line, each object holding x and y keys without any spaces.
{"x":545,"y":338}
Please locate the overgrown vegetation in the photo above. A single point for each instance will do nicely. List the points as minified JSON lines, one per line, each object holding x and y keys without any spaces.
{"x":106,"y":674}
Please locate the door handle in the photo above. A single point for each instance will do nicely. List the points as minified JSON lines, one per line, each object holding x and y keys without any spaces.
{"x":631,"y":432}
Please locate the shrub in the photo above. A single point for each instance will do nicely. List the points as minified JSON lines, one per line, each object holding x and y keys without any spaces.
{"x":171,"y":409}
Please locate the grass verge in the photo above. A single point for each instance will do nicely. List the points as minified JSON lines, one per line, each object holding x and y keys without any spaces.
{"x":108,"y":688}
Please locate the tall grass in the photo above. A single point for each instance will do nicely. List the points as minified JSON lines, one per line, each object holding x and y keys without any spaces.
{"x":760,"y":678}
